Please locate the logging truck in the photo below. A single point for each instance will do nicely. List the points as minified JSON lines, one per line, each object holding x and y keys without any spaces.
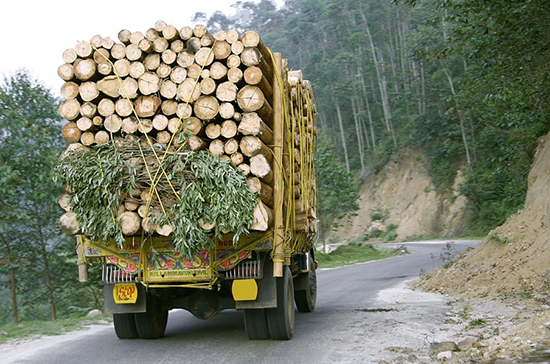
{"x":237,"y":101}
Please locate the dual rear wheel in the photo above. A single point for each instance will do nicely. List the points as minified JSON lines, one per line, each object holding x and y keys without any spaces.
{"x":150,"y":324}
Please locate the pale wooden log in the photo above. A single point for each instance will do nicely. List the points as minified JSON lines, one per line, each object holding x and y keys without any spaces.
{"x":97,"y":121}
{"x":64,"y":202}
{"x":252,"y":124}
{"x":69,"y":55}
{"x":113,"y":123}
{"x":184,"y":110}
{"x":199,"y":30}
{"x":152,"y":61}
{"x":66,"y":71}
{"x":71,"y":133}
{"x":69,"y":109}
{"x":88,"y":110}
{"x":263,"y":217}
{"x":206,"y":226}
{"x":107,"y":43}
{"x":164,"y":230}
{"x":147,"y":106}
{"x":136,"y":37}
{"x":237,"y":116}
{"x":228,"y":129}
{"x":149,"y":83}
{"x":106,"y":107}
{"x":265,"y":191}
{"x":118,"y":51}
{"x":122,"y":67}
{"x":136,"y":70}
{"x":188,"y":90}
{"x":220,"y":35}
{"x":208,"y":86}
{"x":196,"y":143}
{"x":193,"y":44}
{"x":213,"y":130}
{"x":207,"y":40}
{"x":226,"y":91}
{"x":251,"y":38}
{"x":226,"y":110}
{"x":141,"y":210}
{"x":169,"y":56}
{"x":145,"y":126}
{"x":194,"y":71}
{"x":83,"y":49}
{"x":205,"y":73}
{"x":233,"y":61}
{"x":235,"y":75}
{"x":102,"y":137}
{"x":87,"y":138}
{"x":124,"y":36}
{"x":129,"y":88}
{"x":123,"y":107}
{"x":206,"y":107}
{"x":160,"y":25}
{"x":164,"y":137}
{"x":168,"y":107}
{"x":252,"y":57}
{"x":160,"y":122}
{"x":218,"y":71}
{"x":131,"y":204}
{"x":133,"y":53}
{"x":254,"y":76}
{"x":251,"y":98}
{"x":160,"y":44}
{"x":231,"y":36}
{"x":151,"y":34}
{"x":88,"y":91}
{"x":104,"y":68}
{"x":178,"y":74}
{"x":68,"y":223}
{"x":130,"y":223}
{"x":237,"y":48}
{"x":168,"y":89}
{"x":101,"y":55}
{"x":177,"y":46}
{"x":277,"y":177}
{"x":84,"y":69}
{"x":186,"y":32}
{"x":237,"y":158}
{"x":84,"y":123}
{"x":170,"y":33}
{"x":69,"y":90}
{"x":221,"y":50}
{"x":193,"y":125}
{"x":204,"y":56}
{"x":225,"y":157}
{"x":216,"y":147}
{"x":146,"y":196}
{"x":231,"y":146}
{"x":245,"y":168}
{"x":130,"y":124}
{"x":109,"y":85}
{"x":164,"y":70}
{"x":260,"y":167}
{"x":251,"y":145}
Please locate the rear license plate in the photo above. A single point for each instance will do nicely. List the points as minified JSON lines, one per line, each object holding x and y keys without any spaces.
{"x":125,"y":293}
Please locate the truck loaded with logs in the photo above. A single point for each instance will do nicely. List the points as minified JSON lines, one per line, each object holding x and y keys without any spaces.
{"x":189,"y":177}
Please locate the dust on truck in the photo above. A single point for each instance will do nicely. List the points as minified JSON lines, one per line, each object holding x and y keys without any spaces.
{"x":164,"y":130}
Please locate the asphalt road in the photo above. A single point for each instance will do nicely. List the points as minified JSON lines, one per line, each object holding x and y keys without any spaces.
{"x":364,"y":313}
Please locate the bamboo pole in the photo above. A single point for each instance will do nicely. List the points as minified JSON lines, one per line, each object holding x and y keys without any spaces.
{"x":278,"y":194}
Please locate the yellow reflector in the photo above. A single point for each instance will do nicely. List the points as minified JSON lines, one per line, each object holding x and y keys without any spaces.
{"x":244,"y":290}
{"x":125,"y":293}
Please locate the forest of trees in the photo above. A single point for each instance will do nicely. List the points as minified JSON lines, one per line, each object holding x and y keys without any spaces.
{"x":463,"y":81}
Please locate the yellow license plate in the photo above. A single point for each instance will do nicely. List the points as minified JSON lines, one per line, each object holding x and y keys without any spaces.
{"x":125,"y":293}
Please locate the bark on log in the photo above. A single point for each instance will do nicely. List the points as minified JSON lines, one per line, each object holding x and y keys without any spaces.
{"x":145,"y":45}
{"x":251,"y":145}
{"x":265,"y":190}
{"x":124,"y":36}
{"x":64,"y":202}
{"x":254,"y":76}
{"x":147,"y":106}
{"x":252,"y":124}
{"x":196,"y":143}
{"x":71,"y":133}
{"x":193,"y":44}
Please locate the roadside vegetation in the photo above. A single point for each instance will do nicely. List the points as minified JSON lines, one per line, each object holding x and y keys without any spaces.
{"x":354,"y":252}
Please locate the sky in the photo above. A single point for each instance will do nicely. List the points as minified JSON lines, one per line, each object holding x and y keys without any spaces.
{"x":37,"y":32}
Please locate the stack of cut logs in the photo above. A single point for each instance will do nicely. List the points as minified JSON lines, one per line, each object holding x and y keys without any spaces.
{"x":166,"y":81}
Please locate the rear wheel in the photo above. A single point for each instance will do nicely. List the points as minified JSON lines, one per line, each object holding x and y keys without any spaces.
{"x":125,"y":325}
{"x":255,"y":323}
{"x":306,"y":298}
{"x":281,"y":319}
{"x":151,"y":324}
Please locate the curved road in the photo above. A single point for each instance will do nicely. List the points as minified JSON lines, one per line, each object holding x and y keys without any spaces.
{"x":364,"y":314}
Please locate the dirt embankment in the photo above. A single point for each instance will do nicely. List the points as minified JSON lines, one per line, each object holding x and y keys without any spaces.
{"x":404,"y":194}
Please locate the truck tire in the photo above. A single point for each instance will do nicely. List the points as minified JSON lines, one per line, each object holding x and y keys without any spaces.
{"x":255,"y":323}
{"x":151,"y":324}
{"x":306,"y":298}
{"x":280,"y":320}
{"x":125,"y":325}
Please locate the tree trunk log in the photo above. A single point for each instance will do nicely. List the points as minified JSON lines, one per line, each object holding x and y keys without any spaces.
{"x":149,"y":83}
{"x":189,"y":91}
{"x":221,"y":50}
{"x":227,"y":91}
{"x":251,"y":98}
{"x":251,"y":145}
{"x":147,"y":106}
{"x":84,"y":69}
{"x":106,"y":107}
{"x":228,"y":129}
{"x":178,"y":74}
{"x":213,"y":131}
{"x":260,"y":167}
{"x":265,"y":190}
{"x":196,"y":143}
{"x":206,"y":107}
{"x":69,"y":90}
{"x":69,"y":109}
{"x":231,"y":147}
{"x":68,"y":224}
{"x":252,"y":124}
{"x":88,"y":91}
{"x":71,"y":133}
{"x":263,"y":217}
{"x":130,"y":223}
{"x":216,"y":147}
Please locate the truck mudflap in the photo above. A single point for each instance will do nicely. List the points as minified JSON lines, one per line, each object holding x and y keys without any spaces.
{"x":113,"y":303}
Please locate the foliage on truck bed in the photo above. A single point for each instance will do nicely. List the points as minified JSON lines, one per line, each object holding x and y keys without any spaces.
{"x":186,"y":187}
